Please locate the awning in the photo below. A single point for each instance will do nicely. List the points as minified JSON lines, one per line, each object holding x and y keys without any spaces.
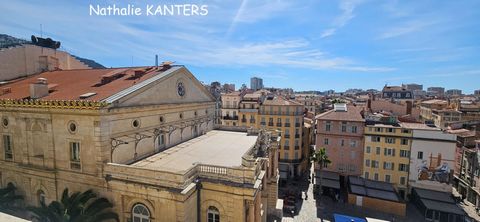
{"x":441,"y":206}
{"x":345,"y":218}
{"x":327,"y":174}
{"x":375,"y":220}
{"x":328,"y":183}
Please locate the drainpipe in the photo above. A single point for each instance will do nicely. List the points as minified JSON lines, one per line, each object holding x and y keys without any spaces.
{"x":199,"y":207}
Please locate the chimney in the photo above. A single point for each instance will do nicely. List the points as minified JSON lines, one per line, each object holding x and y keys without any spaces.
{"x":409,"y":107}
{"x":39,"y":89}
{"x":156,"y":61}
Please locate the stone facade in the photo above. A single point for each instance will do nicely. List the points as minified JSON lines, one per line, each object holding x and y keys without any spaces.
{"x":80,"y":145}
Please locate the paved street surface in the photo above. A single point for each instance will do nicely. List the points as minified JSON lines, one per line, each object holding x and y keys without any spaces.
{"x":323,"y":208}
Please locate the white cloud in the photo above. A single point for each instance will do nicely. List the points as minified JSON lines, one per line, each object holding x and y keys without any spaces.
{"x":407,"y":28}
{"x":347,"y":8}
{"x":185,"y":40}
{"x":254,"y":11}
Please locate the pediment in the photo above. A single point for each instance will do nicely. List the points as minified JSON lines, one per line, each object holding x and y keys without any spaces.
{"x":177,"y":87}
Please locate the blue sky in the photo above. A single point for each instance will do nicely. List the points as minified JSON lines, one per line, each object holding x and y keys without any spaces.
{"x":305,"y":45}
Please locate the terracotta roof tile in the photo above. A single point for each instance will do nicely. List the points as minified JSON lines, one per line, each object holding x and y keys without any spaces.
{"x":353,"y":113}
{"x":70,"y":84}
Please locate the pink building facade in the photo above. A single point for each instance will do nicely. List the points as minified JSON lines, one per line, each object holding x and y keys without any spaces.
{"x":341,"y":134}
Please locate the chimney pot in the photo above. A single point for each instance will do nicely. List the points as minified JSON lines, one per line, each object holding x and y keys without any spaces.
{"x":39,"y":89}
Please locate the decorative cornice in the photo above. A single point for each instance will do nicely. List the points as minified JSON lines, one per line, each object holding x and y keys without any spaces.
{"x":57,"y":104}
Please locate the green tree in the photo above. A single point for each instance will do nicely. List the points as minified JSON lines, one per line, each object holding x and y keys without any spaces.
{"x":79,"y":207}
{"x":8,"y":198}
{"x":320,"y":156}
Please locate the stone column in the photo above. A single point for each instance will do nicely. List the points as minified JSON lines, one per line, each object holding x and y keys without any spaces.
{"x":251,"y":211}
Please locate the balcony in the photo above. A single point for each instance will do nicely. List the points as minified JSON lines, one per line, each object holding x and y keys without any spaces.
{"x":286,"y":147}
{"x":244,"y":120}
{"x":281,"y":113}
{"x":297,"y":135}
{"x":291,"y":160}
{"x":286,"y":136}
{"x":229,"y":107}
{"x":252,"y":121}
{"x":287,"y":124}
{"x":270,"y":124}
{"x":279,"y":124}
{"x":244,"y":110}
{"x":297,"y":147}
{"x":230,"y":117}
{"x":297,"y":124}
{"x":262,"y":123}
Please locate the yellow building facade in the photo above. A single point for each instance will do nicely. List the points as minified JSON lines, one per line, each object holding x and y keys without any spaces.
{"x":230,"y":108}
{"x":248,"y":110}
{"x":387,"y":155}
{"x":286,"y":116}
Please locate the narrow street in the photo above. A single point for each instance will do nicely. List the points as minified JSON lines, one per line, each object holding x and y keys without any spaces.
{"x":322,"y":208}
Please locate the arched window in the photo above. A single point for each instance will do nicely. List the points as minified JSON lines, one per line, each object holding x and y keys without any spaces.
{"x":140,"y":213}
{"x":212,"y":214}
{"x":40,"y":197}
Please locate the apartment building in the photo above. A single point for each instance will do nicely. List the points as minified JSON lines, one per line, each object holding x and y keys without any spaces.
{"x":397,"y":93}
{"x":432,"y":159}
{"x":468,"y":184}
{"x":387,"y":155}
{"x":230,"y":108}
{"x":453,"y":92}
{"x":439,"y":113}
{"x":277,"y":113}
{"x":340,"y":132}
{"x":248,"y":110}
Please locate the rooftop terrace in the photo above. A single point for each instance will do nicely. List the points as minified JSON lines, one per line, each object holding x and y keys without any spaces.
{"x":219,"y":148}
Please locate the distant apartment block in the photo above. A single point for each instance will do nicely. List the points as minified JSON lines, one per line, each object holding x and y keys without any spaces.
{"x":397,"y":93}
{"x":312,"y":103}
{"x":435,"y":91}
{"x":412,"y":86}
{"x":476,"y":92}
{"x":340,"y":132}
{"x":439,"y":113}
{"x":228,"y":87}
{"x":256,"y":83}
{"x":453,"y":92}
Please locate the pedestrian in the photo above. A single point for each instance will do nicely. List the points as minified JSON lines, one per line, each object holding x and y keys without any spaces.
{"x":306,"y":196}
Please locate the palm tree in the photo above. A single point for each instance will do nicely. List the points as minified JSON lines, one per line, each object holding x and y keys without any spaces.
{"x":79,"y":207}
{"x":8,"y":198}
{"x":321,"y":158}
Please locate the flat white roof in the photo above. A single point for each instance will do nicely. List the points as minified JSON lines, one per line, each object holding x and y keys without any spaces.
{"x":8,"y":217}
{"x":216,"y":147}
